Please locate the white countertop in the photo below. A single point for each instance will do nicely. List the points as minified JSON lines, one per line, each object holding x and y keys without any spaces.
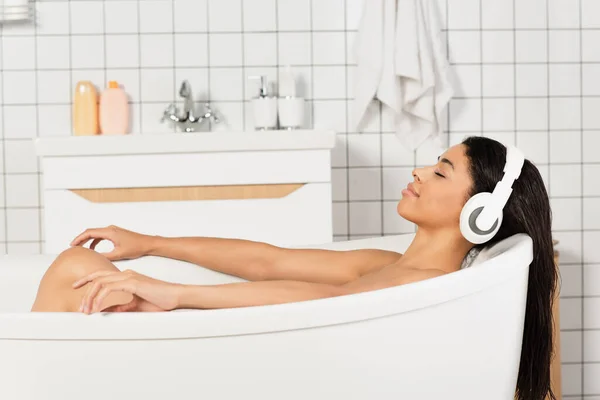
{"x":196,"y":142}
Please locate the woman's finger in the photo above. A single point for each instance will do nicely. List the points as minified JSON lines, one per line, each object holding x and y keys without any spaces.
{"x":113,"y":255}
{"x":91,"y":277}
{"x":125,"y":285}
{"x":95,"y":233}
{"x":83,"y":237}
{"x":95,"y":243}
{"x":122,"y":307}
{"x":86,"y":301}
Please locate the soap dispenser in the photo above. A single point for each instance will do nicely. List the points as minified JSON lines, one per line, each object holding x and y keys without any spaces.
{"x":264,"y":106}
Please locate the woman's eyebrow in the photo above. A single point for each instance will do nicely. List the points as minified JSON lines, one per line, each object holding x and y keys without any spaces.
{"x":445,"y":160}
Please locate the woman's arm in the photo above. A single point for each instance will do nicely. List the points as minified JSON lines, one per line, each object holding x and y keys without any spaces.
{"x":250,"y":260}
{"x":243,"y":258}
{"x":248,"y":294}
{"x":257,"y":261}
{"x":169,"y":296}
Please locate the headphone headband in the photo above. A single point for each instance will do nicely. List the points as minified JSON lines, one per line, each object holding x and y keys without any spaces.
{"x":512,"y":169}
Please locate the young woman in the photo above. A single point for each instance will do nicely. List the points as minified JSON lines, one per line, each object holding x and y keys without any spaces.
{"x":83,"y":280}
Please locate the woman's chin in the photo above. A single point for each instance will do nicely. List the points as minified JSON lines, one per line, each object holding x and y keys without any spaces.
{"x":403,"y":208}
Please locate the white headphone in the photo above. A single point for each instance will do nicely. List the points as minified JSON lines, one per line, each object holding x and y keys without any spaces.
{"x":481,"y":216}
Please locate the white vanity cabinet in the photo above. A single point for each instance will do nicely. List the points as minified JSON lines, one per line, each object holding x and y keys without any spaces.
{"x":272,"y":186}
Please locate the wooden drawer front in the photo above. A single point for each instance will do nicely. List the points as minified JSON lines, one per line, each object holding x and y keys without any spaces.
{"x":198,"y":169}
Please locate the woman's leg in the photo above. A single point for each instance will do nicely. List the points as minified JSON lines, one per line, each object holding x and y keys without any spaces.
{"x":56,"y":293}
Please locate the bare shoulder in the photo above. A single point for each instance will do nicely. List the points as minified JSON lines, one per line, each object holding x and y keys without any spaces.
{"x":373,"y":260}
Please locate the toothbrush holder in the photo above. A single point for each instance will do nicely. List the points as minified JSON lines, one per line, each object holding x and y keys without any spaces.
{"x":264,"y":110}
{"x":291,"y":112}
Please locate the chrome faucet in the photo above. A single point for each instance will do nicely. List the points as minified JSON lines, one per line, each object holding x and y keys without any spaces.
{"x":188,"y":121}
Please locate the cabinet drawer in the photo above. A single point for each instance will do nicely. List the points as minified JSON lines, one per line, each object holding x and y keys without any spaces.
{"x":302,"y":217}
{"x":161,"y":170}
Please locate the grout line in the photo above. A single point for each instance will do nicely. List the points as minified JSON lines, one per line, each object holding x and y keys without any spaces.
{"x":481,"y":68}
{"x":104,"y":84}
{"x":390,"y":166}
{"x":548,"y":110}
{"x":381,"y":196}
{"x":139,"y":67}
{"x":229,"y":32}
{"x":580,"y":362}
{"x":208,"y":65}
{"x":174,"y":44}
{"x":21,"y":207}
{"x":346,"y":106}
{"x":582,"y":188}
{"x":448,"y":60}
{"x":244,"y":77}
{"x":312,"y":71}
{"x":37,"y":134}
{"x":581,"y":330}
{"x":337,"y":99}
{"x":71,"y":116}
{"x":277,"y":61}
{"x":3,"y":141}
{"x":203,"y":66}
{"x":583,"y":296}
{"x":516,"y":110}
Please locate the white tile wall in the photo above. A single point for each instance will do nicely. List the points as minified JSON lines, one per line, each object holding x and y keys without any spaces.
{"x":527,"y":72}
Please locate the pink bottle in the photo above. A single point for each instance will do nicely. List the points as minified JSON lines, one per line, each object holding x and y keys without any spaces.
{"x":114,"y":110}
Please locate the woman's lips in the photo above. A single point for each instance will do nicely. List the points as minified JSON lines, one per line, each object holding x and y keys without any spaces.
{"x":410,"y":191}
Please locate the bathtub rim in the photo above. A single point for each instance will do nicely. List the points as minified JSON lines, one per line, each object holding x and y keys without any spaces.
{"x":310,"y":314}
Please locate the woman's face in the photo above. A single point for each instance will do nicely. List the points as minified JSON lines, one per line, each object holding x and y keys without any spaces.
{"x":436,"y":196}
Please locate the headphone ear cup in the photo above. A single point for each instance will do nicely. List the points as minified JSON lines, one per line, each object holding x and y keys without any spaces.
{"x":468,"y":216}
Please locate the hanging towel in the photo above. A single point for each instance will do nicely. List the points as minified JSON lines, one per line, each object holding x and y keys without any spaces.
{"x":400,"y":63}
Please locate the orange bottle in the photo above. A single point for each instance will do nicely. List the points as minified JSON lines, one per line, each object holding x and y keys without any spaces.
{"x":85,"y":109}
{"x":114,"y":110}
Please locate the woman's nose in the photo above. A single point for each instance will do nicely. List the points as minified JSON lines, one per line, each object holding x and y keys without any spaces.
{"x":416,"y":175}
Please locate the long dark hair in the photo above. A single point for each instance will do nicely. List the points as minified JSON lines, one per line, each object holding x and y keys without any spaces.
{"x":527,"y":211}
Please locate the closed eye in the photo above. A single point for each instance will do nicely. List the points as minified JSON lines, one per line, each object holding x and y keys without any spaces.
{"x":438,"y":174}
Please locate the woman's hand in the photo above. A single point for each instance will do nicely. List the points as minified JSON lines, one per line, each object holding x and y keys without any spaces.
{"x":148,"y":294}
{"x":127,"y":244}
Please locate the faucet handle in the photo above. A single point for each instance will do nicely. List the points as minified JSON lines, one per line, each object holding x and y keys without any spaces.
{"x":169,"y":112}
{"x":212,"y":114}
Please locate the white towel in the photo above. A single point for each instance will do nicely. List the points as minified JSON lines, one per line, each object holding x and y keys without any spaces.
{"x":401,"y":64}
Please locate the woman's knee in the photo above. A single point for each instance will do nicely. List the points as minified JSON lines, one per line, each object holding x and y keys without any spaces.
{"x":55,"y":292}
{"x":77,"y":262}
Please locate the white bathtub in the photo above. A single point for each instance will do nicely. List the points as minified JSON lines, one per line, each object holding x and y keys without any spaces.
{"x":453,"y":337}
